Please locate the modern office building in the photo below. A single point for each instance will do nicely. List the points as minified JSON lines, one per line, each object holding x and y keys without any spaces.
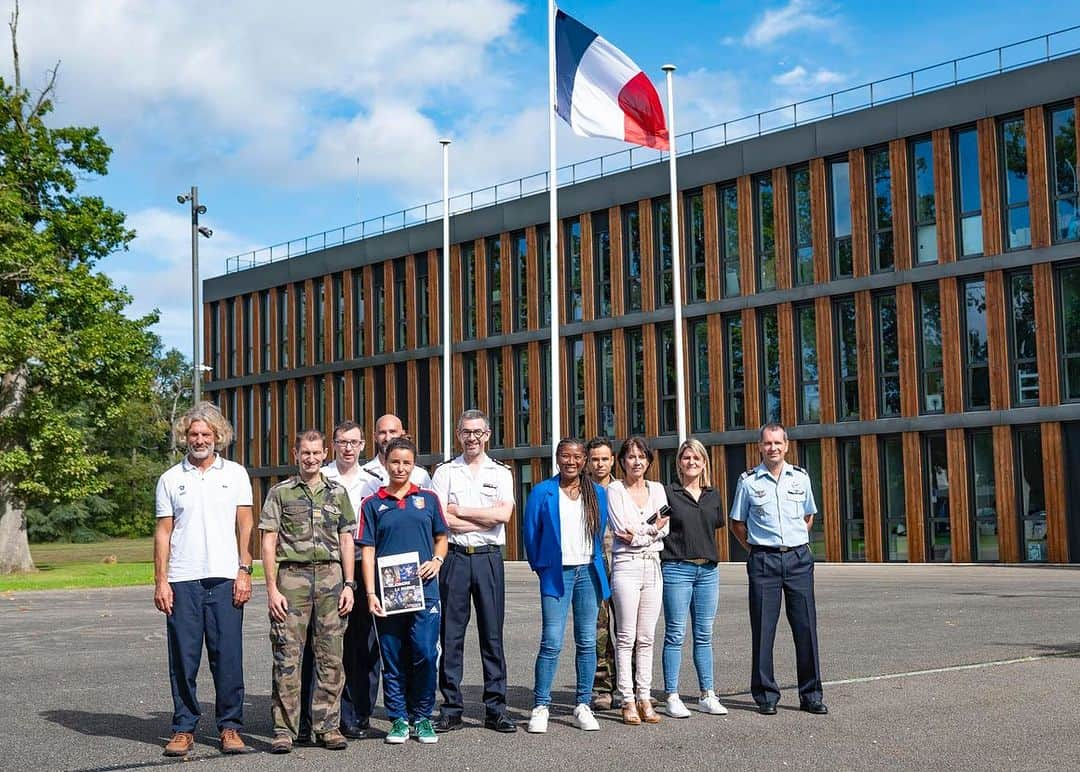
{"x":899,"y":284}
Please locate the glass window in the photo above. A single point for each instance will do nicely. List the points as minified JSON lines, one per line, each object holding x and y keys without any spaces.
{"x":1032,"y":495}
{"x":319,"y":318}
{"x":339,"y":318}
{"x":1015,"y":193}
{"x":378,"y":391}
{"x":423,"y":302}
{"x":545,"y":377}
{"x":493,"y":250}
{"x":575,"y":348}
{"x":699,"y":363}
{"x":300,"y":405}
{"x":249,"y":334}
{"x":521,"y":374}
{"x":808,"y":392}
{"x":496,"y":396}
{"x":736,"y":377}
{"x":572,"y":250}
{"x":266,"y":424}
{"x":695,"y":252}
{"x":840,"y":198}
{"x":803,"y":225}
{"x":400,"y":395}
{"x":665,"y":277}
{"x":635,"y":366}
{"x":358,"y":313}
{"x":631,"y":222}
{"x":1070,"y":332}
{"x":969,"y":196}
{"x":892,"y":498}
{"x":770,"y":365}
{"x":851,"y":504}
{"x":519,"y":246}
{"x":602,"y":263}
{"x":359,"y":396}
{"x":938,"y":525}
{"x":931,"y":380}
{"x":264,"y":331}
{"x":1064,"y":187}
{"x":282,"y":423}
{"x":766,"y":234}
{"x":668,"y":384}
{"x":810,"y":458}
{"x":249,"y":426}
{"x":881,"y":213}
{"x":543,"y":238}
{"x":1023,"y":364}
{"x":422,"y":426}
{"x":470,"y":387}
{"x":605,"y":367}
{"x":888,"y":356}
{"x":984,"y":525}
{"x":378,"y":310}
{"x":468,"y":292}
{"x":215,"y":340}
{"x":925,"y":208}
{"x":728,"y":203}
{"x":320,"y":403}
{"x":339,"y":398}
{"x":230,"y":337}
{"x":283,"y":327}
{"x":976,"y":346}
{"x":847,"y":359}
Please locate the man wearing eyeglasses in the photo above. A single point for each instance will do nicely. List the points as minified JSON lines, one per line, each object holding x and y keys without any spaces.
{"x":374,"y":471}
{"x":477,"y":495}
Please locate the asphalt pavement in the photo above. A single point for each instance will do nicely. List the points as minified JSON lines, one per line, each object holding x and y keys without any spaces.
{"x":949,"y":667}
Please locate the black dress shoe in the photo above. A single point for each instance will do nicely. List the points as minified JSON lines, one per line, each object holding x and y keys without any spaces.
{"x":501,"y":723}
{"x":448,"y":723}
{"x":354,"y":731}
{"x":303,"y":737}
{"x":767,"y":709}
{"x":817,"y":707}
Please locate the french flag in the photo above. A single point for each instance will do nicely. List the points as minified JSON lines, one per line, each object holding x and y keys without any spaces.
{"x":601,"y":92}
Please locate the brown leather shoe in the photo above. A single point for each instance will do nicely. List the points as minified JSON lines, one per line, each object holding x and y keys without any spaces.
{"x":181,"y":744}
{"x":333,"y":740}
{"x":231,"y":742}
{"x":282,"y":743}
{"x":648,"y":715}
{"x":602,"y":701}
{"x":630,"y":713}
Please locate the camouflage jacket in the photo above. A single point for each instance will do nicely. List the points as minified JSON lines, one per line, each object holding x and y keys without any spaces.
{"x":308,"y":521}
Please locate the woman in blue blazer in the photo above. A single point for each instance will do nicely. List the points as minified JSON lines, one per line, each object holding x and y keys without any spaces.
{"x":565,"y":518}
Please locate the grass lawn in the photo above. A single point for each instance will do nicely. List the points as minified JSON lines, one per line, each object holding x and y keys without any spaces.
{"x":83,"y":566}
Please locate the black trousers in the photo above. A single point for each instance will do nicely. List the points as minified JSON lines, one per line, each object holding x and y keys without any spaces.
{"x":466,"y":581}
{"x":791,"y":574}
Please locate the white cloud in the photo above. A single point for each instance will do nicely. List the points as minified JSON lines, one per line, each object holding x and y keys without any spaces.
{"x":796,"y":16}
{"x":799,"y":77}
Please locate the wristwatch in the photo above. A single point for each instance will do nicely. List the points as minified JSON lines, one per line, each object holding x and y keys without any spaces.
{"x":351,"y":585}
{"x":246,"y":568}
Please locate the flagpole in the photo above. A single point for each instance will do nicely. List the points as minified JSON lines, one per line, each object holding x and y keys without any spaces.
{"x":676,"y":267}
{"x":553,"y":237}
{"x":447,"y":437}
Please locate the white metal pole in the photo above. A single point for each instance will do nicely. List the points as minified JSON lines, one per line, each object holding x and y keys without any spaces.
{"x":676,"y":264}
{"x":448,"y":421}
{"x":196,"y":304}
{"x":553,"y":237}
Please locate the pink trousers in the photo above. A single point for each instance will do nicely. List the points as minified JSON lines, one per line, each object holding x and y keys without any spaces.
{"x":637,"y":593}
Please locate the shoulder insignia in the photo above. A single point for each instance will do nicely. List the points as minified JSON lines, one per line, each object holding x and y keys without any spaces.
{"x":800,"y":469}
{"x":502,"y":464}
{"x":747,"y":473}
{"x":443,"y":463}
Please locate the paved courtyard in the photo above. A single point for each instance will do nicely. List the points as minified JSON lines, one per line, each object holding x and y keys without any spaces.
{"x":954,"y":667}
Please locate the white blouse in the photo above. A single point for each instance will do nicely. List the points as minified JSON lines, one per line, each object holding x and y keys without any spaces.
{"x":625,"y":515}
{"x":577,"y":547}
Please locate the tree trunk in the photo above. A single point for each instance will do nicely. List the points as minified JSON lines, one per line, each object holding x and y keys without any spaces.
{"x":14,"y":546}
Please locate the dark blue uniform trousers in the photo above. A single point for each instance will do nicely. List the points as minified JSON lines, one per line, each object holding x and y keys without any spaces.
{"x":771,"y":573}
{"x":410,"y":650}
{"x":467,"y":580}
{"x":203,"y":611}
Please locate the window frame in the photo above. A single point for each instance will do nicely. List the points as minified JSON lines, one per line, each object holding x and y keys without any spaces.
{"x":763,"y":317}
{"x":1016,"y":362}
{"x":884,"y":411}
{"x":917,"y":222}
{"x":493,"y":268}
{"x":969,"y":367}
{"x":731,"y":391}
{"x":1052,"y":177}
{"x":729,"y":259}
{"x":801,"y":242}
{"x":878,"y":231}
{"x":765,"y":262}
{"x":1003,"y":164}
{"x":839,"y":303}
{"x":630,"y":221}
{"x":801,"y":381}
{"x":836,"y":240}
{"x":963,"y":215}
{"x":923,"y":370}
{"x":697,"y":259}
{"x":663,"y":275}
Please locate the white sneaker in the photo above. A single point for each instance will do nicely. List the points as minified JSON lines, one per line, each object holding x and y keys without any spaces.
{"x":584,"y":718}
{"x":675,"y":708}
{"x":538,"y":720}
{"x":710,"y":704}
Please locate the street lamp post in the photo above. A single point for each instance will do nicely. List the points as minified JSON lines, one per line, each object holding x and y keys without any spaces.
{"x":197,"y":367}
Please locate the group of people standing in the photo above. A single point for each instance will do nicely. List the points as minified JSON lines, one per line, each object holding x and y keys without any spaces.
{"x":609,"y":550}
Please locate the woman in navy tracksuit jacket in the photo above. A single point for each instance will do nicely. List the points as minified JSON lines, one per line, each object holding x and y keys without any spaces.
{"x":565,"y":518}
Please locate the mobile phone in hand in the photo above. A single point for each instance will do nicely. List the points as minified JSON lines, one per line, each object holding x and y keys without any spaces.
{"x":662,"y":512}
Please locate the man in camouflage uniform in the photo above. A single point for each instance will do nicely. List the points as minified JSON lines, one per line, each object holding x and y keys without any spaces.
{"x":308,"y":557}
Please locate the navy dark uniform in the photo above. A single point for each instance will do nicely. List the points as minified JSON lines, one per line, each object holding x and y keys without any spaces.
{"x":776,"y":513}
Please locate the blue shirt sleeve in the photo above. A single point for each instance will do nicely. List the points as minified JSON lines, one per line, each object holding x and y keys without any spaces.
{"x":809,"y":506}
{"x":741,"y":503}
{"x":367,"y":523}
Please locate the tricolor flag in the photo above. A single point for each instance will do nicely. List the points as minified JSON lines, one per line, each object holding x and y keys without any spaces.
{"x":601,"y":92}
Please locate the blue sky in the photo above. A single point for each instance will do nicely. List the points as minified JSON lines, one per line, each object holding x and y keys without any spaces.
{"x":267,"y":111}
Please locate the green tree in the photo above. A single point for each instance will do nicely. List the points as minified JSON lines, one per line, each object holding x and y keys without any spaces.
{"x":69,"y":358}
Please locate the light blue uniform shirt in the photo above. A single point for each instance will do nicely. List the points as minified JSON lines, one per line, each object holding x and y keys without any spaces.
{"x":774,"y":509}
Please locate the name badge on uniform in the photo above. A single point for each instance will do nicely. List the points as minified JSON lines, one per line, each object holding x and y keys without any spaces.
{"x":418,"y":502}
{"x":797,"y":494}
{"x":491,"y":485}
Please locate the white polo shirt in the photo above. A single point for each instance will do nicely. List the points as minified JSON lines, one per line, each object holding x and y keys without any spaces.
{"x":375,"y":476}
{"x":203,"y":508}
{"x":456,"y":483}
{"x":355,"y":487}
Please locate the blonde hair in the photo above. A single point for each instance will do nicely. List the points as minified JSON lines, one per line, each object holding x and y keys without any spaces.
{"x":705,"y":478}
{"x":208,"y":413}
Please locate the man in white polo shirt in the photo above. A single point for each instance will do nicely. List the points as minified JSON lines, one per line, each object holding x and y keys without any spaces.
{"x":477,"y":495}
{"x":374,"y":471}
{"x":202,"y":574}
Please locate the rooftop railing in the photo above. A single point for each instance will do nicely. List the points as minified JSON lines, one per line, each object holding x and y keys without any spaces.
{"x":993,"y":61}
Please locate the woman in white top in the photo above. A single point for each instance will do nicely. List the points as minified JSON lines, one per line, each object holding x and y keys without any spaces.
{"x":639,"y":526}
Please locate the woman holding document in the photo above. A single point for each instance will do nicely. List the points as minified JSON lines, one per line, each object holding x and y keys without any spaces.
{"x":403,"y":539}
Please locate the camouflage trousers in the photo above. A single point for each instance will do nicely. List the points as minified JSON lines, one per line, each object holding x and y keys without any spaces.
{"x":312,"y":592}
{"x":605,"y":678}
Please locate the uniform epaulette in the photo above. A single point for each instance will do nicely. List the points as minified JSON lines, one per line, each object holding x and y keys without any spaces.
{"x":747,"y":473}
{"x":442,"y":463}
{"x":502,"y":463}
{"x":288,"y":481}
{"x":799,"y":469}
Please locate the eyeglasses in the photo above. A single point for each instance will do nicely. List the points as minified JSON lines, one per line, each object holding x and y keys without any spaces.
{"x":348,"y":443}
{"x":476,"y":434}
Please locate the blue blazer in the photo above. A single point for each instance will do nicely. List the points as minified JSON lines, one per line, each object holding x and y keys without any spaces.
{"x":543,"y":537}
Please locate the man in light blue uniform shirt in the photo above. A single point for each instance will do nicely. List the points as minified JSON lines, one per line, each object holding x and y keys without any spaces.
{"x":771,"y":516}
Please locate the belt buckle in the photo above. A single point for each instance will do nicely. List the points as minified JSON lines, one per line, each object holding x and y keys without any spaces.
{"x":785,"y":549}
{"x":470,"y":549}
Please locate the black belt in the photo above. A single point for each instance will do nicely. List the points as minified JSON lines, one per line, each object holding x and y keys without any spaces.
{"x":483,"y":549}
{"x":759,"y":548}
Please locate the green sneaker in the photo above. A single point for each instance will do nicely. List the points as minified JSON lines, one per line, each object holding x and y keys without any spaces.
{"x":399,"y":732}
{"x":425,"y":732}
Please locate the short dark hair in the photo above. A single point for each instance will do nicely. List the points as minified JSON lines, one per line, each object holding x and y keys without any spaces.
{"x":401,"y":443}
{"x":598,"y":442}
{"x":347,"y":426}
{"x":635,"y":441}
{"x":309,"y":435}
{"x":772,"y":426}
{"x":473,"y":415}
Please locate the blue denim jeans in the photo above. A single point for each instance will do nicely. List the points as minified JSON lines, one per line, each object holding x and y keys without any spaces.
{"x":695,"y":589}
{"x":581,"y":589}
